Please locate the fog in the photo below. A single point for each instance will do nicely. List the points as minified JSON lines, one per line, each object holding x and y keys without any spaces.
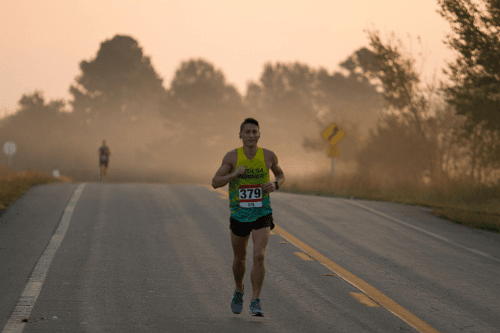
{"x":181,"y":134}
{"x":154,"y":149}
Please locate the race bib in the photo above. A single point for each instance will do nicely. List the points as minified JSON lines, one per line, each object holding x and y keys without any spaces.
{"x":250,"y":196}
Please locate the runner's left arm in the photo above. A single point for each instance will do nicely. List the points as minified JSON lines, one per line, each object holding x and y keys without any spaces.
{"x":279,"y":176}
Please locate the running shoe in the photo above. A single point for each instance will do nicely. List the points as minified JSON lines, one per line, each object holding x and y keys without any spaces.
{"x":237,"y":302}
{"x":255,"y":309}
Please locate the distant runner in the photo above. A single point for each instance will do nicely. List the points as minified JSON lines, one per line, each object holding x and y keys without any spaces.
{"x":246,"y":169}
{"x":104,"y":153}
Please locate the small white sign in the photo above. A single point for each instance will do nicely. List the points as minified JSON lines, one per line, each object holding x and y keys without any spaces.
{"x":9,"y":148}
{"x":56,"y":173}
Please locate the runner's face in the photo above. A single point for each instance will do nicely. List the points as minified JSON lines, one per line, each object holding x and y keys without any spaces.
{"x":250,"y":135}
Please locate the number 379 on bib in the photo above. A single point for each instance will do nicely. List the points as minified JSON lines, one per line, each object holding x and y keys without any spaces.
{"x":250,"y":196}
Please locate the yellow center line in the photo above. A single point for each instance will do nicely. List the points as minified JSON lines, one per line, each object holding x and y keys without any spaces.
{"x":365,"y":300}
{"x":363,"y":286}
{"x":304,"y":256}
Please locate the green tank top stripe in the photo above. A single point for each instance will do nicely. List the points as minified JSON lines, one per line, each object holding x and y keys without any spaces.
{"x":256,"y":172}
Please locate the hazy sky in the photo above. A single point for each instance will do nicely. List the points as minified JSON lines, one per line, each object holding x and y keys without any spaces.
{"x":43,"y":42}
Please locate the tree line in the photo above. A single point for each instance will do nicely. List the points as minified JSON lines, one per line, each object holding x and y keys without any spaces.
{"x":118,"y":96}
{"x":400,"y":130}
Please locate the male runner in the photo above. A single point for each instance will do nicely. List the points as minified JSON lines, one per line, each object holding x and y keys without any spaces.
{"x":104,"y":153}
{"x":246,"y":169}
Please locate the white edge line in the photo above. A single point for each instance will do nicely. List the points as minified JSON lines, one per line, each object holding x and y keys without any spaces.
{"x":447,"y":240}
{"x":32,"y":290}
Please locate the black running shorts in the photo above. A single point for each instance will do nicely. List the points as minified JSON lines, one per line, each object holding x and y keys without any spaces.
{"x":103,"y":160}
{"x":243,"y":229}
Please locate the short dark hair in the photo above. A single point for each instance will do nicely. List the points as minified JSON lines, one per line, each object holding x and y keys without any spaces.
{"x":249,"y":121}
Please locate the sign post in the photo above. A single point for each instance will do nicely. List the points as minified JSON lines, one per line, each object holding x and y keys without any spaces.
{"x":9,"y":149}
{"x":333,"y":151}
{"x":332,"y":167}
{"x":333,"y":134}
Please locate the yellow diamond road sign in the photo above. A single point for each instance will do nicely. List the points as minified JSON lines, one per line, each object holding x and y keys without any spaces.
{"x":333,"y":134}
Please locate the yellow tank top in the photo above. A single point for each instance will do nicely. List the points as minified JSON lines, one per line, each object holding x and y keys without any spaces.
{"x":247,"y":200}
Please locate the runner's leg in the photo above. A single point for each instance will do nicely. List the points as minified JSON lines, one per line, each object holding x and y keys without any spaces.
{"x":260,"y":238}
{"x":104,"y":171}
{"x":239,"y":245}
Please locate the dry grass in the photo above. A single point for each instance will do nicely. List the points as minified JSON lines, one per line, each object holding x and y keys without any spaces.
{"x":475,"y":207}
{"x":14,"y":184}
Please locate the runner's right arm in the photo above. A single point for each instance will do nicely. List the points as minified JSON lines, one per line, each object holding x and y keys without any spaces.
{"x":224,"y":175}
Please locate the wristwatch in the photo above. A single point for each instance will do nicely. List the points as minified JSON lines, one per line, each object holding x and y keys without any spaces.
{"x":276,"y":183}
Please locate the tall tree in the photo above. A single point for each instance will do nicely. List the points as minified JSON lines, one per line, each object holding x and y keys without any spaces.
{"x":395,"y":71}
{"x":475,"y":73}
{"x":407,"y":99}
{"x":200,"y":98}
{"x":118,"y":84}
{"x":474,"y":88}
{"x":284,"y":92}
{"x":283,"y":100}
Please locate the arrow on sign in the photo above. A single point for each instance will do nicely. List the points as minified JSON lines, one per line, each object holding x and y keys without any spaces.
{"x":335,"y":130}
{"x":333,"y":134}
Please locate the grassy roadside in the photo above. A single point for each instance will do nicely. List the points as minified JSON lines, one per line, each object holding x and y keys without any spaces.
{"x":14,"y":184}
{"x":474,"y":207}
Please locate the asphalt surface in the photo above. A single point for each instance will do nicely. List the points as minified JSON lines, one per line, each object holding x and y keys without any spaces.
{"x":157,"y":258}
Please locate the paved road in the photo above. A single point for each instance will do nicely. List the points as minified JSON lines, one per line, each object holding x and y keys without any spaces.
{"x":157,"y":258}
